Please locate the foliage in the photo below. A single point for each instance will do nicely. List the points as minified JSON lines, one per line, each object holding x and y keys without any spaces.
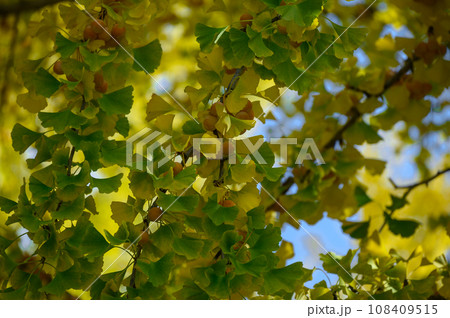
{"x":216,"y":232}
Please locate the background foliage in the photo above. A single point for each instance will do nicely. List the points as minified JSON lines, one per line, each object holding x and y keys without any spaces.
{"x":70,"y":96}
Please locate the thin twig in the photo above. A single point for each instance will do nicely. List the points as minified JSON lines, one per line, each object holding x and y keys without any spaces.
{"x":411,"y":187}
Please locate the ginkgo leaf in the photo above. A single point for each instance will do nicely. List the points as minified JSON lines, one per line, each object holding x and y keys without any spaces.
{"x":61,"y":120}
{"x":257,"y":45}
{"x":285,"y":278}
{"x":404,"y":228}
{"x":32,"y":102}
{"x":64,"y":46}
{"x":158,"y":272}
{"x":42,"y":82}
{"x":357,"y":230}
{"x":175,"y":203}
{"x":292,"y":77}
{"x":240,"y":47}
{"x":7,"y":205}
{"x":96,"y":61}
{"x":148,"y":57}
{"x":219,"y":214}
{"x":157,"y":106}
{"x":118,"y":102}
{"x":351,"y":38}
{"x":361,"y":197}
{"x":107,"y":185}
{"x":23,"y":138}
{"x":190,"y":248}
{"x":303,"y":13}
{"x":207,"y":36}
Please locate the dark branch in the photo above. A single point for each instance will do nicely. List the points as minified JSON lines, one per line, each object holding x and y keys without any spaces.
{"x":70,"y":161}
{"x":409,"y":66}
{"x":411,"y":187}
{"x":11,"y":7}
{"x":425,"y":182}
{"x":353,"y":116}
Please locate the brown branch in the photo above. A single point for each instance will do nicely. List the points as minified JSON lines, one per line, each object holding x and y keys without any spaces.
{"x":70,"y":161}
{"x":408,"y":66}
{"x":411,"y":187}
{"x":133,"y":273}
{"x":425,"y":181}
{"x":353,"y":116}
{"x":11,"y":7}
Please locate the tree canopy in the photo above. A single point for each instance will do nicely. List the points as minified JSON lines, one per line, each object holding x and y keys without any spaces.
{"x":88,"y":213}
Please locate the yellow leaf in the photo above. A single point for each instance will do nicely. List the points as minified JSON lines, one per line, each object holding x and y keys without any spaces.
{"x":243,"y":173}
{"x":157,"y":106}
{"x":248,"y":198}
{"x":32,"y":102}
{"x":246,"y":86}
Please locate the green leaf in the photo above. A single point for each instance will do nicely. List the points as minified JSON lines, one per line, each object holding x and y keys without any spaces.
{"x":256,"y":44}
{"x":206,"y":36}
{"x":361,"y":197}
{"x":64,"y":46}
{"x":42,"y":82}
{"x":61,"y":120}
{"x":122,"y":212}
{"x":339,"y":265}
{"x":191,"y":291}
{"x":88,"y":240}
{"x":173,"y":203}
{"x":272,"y":3}
{"x":240,"y":47}
{"x":123,"y":126}
{"x":95,"y":61}
{"x":188,"y":247}
{"x":361,"y":132}
{"x":118,"y":102}
{"x":107,"y":185}
{"x":191,"y":127}
{"x":357,"y":230}
{"x":70,"y":210}
{"x":293,"y":77}
{"x":256,"y":218}
{"x":303,"y":13}
{"x":148,"y":58}
{"x":404,"y":228}
{"x":254,"y":267}
{"x":7,"y":205}
{"x":397,"y":203}
{"x":229,"y":239}
{"x":286,"y":278}
{"x":303,"y":210}
{"x":351,"y":38}
{"x":263,"y":242}
{"x":23,"y":138}
{"x":219,"y":214}
{"x":141,"y":184}
{"x":158,"y":272}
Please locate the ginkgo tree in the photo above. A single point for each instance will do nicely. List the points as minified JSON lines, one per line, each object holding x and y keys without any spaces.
{"x":200,"y":226}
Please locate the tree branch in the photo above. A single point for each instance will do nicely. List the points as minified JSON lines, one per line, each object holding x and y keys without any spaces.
{"x":25,"y":5}
{"x":425,"y":181}
{"x":411,"y":187}
{"x":353,"y":116}
{"x":408,"y":66}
